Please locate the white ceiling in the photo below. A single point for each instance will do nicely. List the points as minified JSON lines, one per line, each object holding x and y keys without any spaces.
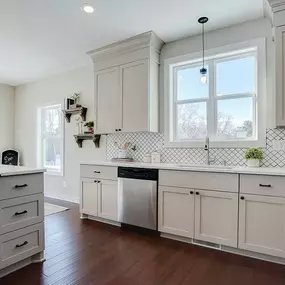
{"x":39,"y":38}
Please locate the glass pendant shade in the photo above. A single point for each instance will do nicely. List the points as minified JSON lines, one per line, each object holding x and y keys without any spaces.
{"x":203,"y":72}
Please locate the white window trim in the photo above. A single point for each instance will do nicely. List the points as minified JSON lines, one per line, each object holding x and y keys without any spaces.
{"x":40,"y":140}
{"x":260,"y":45}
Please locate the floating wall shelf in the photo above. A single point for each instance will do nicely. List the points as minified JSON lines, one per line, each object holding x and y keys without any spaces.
{"x":69,"y":112}
{"x":81,"y":137}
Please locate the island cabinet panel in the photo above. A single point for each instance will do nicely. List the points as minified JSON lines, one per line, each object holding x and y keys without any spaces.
{"x":21,"y":185}
{"x":21,"y":212}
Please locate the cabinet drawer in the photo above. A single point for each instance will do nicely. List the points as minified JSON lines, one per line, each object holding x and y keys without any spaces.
{"x":21,"y":212}
{"x":21,"y":185}
{"x":199,"y":180}
{"x":21,"y":244}
{"x":99,"y":172}
{"x":263,"y":185}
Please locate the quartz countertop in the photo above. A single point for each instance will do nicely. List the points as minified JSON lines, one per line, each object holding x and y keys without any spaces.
{"x":10,"y":170}
{"x":196,"y":167}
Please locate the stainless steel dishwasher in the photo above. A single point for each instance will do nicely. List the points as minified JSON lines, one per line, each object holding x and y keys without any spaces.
{"x":138,"y":197}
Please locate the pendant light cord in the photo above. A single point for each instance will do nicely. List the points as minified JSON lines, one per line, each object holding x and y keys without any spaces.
{"x":203,"y":43}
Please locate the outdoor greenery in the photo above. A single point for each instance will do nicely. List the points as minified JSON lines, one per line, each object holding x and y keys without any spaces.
{"x":253,"y":153}
{"x":89,"y":124}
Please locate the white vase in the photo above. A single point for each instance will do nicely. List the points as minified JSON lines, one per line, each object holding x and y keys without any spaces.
{"x":253,"y":163}
{"x":122,"y":153}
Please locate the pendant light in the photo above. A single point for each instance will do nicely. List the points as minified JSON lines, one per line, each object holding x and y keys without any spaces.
{"x":203,"y":70}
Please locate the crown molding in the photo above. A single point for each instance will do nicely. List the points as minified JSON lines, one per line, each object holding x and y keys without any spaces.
{"x":148,"y":39}
{"x":277,"y":5}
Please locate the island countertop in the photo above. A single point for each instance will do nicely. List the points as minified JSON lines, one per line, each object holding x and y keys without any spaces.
{"x":11,"y":170}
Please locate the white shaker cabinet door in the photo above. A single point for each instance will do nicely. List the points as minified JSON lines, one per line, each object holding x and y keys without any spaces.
{"x":108,"y":199}
{"x":216,"y":217}
{"x":88,"y":197}
{"x":176,"y":211}
{"x":280,"y":76}
{"x":135,"y":96}
{"x":262,"y":224}
{"x":108,"y":101}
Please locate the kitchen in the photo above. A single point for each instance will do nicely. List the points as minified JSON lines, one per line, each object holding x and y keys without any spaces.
{"x":144,"y":166}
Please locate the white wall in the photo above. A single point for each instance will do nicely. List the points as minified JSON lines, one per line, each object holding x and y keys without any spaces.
{"x":28,"y":98}
{"x":234,"y":34}
{"x":6,"y":116}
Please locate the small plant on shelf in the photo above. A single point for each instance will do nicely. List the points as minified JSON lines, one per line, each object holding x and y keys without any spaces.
{"x":90,"y":126}
{"x":253,"y":157}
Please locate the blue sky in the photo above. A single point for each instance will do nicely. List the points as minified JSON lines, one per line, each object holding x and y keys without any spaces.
{"x":232,"y":77}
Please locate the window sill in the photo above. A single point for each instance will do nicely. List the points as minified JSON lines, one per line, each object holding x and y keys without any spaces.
{"x":50,"y":173}
{"x":217,"y":144}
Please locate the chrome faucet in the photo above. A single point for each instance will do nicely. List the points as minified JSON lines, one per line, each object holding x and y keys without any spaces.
{"x":207,"y":148}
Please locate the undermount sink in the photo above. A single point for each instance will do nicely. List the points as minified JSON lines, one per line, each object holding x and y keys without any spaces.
{"x":205,"y":166}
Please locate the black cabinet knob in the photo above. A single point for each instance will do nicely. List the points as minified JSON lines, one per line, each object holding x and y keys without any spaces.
{"x":197,"y":193}
{"x":242,"y":198}
{"x":191,"y":192}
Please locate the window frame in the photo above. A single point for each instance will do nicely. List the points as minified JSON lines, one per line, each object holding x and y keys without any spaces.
{"x":212,"y":57}
{"x":43,"y":137}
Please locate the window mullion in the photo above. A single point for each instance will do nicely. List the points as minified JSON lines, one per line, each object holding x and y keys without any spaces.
{"x":211,"y":106}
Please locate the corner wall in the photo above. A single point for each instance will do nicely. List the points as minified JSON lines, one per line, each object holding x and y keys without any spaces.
{"x":7,"y":99}
{"x":53,"y":90}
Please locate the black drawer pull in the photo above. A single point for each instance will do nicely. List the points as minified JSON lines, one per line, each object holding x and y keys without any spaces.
{"x":20,"y":245}
{"x":21,"y":186}
{"x":21,"y":213}
{"x":97,"y":172}
{"x":264,"y":185}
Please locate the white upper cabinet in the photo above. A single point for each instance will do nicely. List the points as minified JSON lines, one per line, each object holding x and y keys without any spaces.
{"x":107,"y":111}
{"x":280,"y":75}
{"x":126,"y":85}
{"x":278,"y":13}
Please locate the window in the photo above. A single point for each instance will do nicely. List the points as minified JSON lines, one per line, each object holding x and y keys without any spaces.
{"x":225,"y":108}
{"x":51,"y":145}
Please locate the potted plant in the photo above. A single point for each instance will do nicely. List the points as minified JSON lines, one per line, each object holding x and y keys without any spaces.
{"x":90,"y":126}
{"x":253,"y":157}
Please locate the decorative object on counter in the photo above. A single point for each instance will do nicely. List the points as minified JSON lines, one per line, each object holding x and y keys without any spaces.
{"x":147,"y":158}
{"x":10,"y":157}
{"x":253,"y":157}
{"x":203,"y":70}
{"x":155,"y":157}
{"x":94,"y":137}
{"x":128,"y":159}
{"x":90,"y":126}
{"x":122,"y":150}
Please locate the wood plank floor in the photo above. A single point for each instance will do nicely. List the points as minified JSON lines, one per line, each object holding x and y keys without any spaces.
{"x":87,"y":252}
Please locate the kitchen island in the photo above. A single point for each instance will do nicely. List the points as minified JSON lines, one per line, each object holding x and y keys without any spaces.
{"x":21,"y":217}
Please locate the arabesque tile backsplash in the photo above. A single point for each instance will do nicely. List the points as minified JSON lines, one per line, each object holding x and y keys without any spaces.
{"x":148,"y":142}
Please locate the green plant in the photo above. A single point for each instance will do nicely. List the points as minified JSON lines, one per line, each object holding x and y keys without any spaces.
{"x":89,"y":124}
{"x":253,"y":153}
{"x":75,"y":96}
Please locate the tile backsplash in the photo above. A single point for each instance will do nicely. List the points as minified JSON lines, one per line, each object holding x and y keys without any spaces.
{"x":148,"y":142}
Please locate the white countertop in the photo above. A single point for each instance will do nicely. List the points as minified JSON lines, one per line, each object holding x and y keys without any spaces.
{"x":192,"y":167}
{"x":10,"y":170}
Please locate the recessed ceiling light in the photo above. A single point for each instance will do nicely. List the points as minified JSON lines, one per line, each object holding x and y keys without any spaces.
{"x":88,"y":8}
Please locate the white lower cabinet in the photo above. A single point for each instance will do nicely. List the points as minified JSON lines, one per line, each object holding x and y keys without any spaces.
{"x":99,"y":198}
{"x":204,"y":215}
{"x":216,"y":217}
{"x":176,"y":211}
{"x":108,"y":199}
{"x":89,"y":197}
{"x":262,"y":224}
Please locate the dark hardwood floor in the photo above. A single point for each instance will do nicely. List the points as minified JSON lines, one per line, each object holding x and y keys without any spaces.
{"x":87,"y":252}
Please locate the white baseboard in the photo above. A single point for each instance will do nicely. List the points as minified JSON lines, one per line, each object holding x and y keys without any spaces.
{"x":67,"y":199}
{"x":219,"y":247}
